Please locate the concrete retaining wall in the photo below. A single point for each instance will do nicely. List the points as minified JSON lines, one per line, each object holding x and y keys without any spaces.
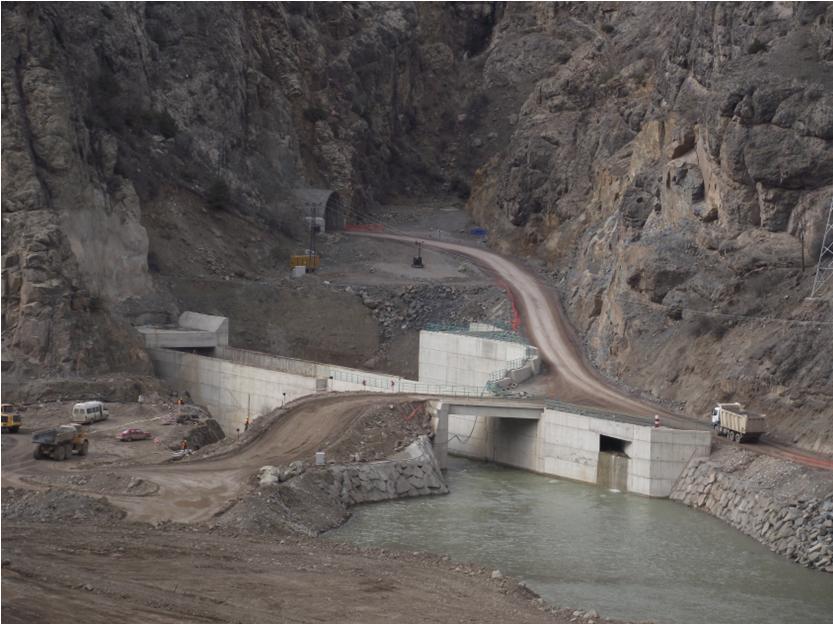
{"x":451,"y":359}
{"x":229,"y":390}
{"x":218,"y":325}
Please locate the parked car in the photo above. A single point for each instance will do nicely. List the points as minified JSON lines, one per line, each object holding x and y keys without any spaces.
{"x":128,"y":435}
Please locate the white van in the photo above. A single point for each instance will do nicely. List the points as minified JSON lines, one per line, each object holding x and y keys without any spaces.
{"x":89,"y":412}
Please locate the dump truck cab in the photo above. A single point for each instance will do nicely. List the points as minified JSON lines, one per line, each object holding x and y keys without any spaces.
{"x":89,"y":412}
{"x":11,"y":418}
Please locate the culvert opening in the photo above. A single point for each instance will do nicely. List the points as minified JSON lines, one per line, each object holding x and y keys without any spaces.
{"x":613,"y":445}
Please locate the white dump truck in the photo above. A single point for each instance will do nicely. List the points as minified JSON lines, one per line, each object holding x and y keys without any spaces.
{"x":89,"y":412}
{"x":732,"y":421}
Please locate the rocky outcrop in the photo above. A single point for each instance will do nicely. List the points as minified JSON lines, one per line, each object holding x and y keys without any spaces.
{"x":669,"y":163}
{"x":764,"y":501}
{"x":182,"y":108}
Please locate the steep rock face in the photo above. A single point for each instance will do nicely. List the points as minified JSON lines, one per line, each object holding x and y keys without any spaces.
{"x":667,"y":167}
{"x":113,"y":113}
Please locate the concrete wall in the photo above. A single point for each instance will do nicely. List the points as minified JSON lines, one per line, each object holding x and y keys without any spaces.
{"x":341,"y":378}
{"x":461,"y":360}
{"x":229,"y":390}
{"x":570,"y":448}
{"x":217,"y":325}
{"x":195,"y":331}
{"x":156,"y":338}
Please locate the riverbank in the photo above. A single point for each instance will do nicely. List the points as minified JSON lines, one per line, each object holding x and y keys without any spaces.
{"x":785,"y":506}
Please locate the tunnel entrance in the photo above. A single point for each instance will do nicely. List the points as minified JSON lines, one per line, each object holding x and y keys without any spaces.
{"x":613,"y":445}
{"x":335,"y":216}
{"x":614,"y":463}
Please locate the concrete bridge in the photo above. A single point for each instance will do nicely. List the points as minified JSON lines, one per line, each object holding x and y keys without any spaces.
{"x":570,"y":441}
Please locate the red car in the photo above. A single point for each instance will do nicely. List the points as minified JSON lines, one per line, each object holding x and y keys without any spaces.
{"x":129,"y":435}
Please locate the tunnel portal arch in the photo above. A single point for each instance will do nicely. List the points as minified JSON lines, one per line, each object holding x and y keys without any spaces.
{"x":324,"y":206}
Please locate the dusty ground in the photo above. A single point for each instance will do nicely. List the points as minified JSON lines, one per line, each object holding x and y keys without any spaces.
{"x":135,"y":574}
{"x":125,"y":559}
{"x":105,"y":449}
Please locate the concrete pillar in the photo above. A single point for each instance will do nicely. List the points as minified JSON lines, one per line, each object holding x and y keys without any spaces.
{"x":439,"y":423}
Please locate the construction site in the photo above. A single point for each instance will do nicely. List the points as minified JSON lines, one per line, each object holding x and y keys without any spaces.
{"x":350,"y":323}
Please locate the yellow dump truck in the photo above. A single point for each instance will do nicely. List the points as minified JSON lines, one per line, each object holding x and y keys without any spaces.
{"x":732,"y":421}
{"x":11,"y":418}
{"x":59,"y":443}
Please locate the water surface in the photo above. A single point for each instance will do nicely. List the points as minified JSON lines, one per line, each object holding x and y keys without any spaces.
{"x":583,"y":547}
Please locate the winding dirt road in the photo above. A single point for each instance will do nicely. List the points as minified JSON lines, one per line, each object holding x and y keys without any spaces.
{"x":574,"y":379}
{"x":544,"y":322}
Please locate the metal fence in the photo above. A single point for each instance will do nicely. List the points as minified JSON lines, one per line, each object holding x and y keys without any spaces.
{"x":506,"y":335}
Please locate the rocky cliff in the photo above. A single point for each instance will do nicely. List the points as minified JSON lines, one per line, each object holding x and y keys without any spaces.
{"x":668,"y":164}
{"x":671,"y":165}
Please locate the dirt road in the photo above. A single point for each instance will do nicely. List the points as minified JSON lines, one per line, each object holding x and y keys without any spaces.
{"x":196,"y":490}
{"x":548,"y":330}
{"x":69,"y":553}
{"x":574,"y":378}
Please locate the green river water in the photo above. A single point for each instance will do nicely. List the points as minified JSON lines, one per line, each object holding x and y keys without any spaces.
{"x":584,"y":547}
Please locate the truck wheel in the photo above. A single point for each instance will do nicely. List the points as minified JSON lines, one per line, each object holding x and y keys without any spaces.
{"x":15,"y":429}
{"x":84,"y":448}
{"x":37,"y":454}
{"x":60,"y":453}
{"x":738,"y":437}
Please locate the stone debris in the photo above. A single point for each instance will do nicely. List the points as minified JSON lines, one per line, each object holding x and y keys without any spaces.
{"x":800,"y":529}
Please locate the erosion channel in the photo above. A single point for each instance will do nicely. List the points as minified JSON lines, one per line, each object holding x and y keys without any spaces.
{"x":627,"y":556}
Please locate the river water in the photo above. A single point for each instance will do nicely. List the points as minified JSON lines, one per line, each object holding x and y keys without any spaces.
{"x":584,"y":547}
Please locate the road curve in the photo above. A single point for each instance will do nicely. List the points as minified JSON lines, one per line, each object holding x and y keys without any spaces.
{"x":550,"y":332}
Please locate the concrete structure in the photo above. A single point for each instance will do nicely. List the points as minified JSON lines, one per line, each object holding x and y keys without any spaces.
{"x":194,"y":331}
{"x":550,"y":437}
{"x":466,"y":359}
{"x":568,"y":441}
{"x":235,"y":383}
{"x":231,"y":392}
{"x":325,"y":207}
